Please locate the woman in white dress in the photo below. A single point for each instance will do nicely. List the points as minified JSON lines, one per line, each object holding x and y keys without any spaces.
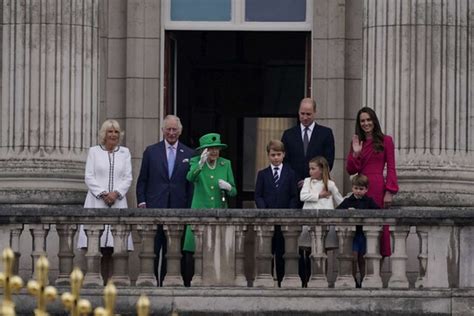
{"x":108,"y":177}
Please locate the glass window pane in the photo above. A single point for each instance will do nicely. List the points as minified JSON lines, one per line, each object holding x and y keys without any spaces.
{"x":275,"y":10}
{"x":200,"y":10}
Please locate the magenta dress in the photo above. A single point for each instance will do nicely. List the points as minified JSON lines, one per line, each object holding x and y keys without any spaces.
{"x":372,"y":164}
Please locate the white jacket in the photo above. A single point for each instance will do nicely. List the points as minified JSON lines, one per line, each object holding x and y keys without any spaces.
{"x":106,"y":172}
{"x":310,"y":195}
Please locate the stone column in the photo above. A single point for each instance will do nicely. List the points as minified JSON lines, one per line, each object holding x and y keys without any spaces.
{"x":240,"y":279}
{"x":146,"y":277}
{"x":39,"y":232}
{"x":344,"y":278}
{"x":263,"y":277}
{"x":417,"y":75}
{"x":399,"y":258}
{"x":15,"y":234}
{"x":93,"y":277}
{"x":48,"y":105}
{"x":198,"y":255}
{"x":291,"y":256}
{"x":173,"y":255}
{"x":66,"y":252}
{"x":372,"y":257}
{"x":318,"y":271}
{"x":120,"y":275}
{"x":422,"y":233}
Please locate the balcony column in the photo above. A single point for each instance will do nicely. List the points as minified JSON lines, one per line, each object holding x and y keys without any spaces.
{"x":263,"y":242}
{"x":173,"y":255}
{"x":39,"y":232}
{"x":240,"y":279}
{"x":344,"y":257}
{"x":399,"y":258}
{"x":198,"y":255}
{"x":120,"y":275}
{"x":422,"y":233}
{"x":15,"y":234}
{"x":292,"y":278}
{"x":66,"y":234}
{"x":372,"y":257}
{"x":319,"y":258}
{"x":93,"y":277}
{"x":147,"y":233}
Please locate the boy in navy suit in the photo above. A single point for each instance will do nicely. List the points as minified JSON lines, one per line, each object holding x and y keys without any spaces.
{"x":276,"y":187}
{"x":359,"y":200}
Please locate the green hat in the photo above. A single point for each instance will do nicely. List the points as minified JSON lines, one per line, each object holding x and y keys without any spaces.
{"x":210,"y":140}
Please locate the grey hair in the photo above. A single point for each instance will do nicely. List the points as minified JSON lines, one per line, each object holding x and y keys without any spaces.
{"x":170,"y":117}
{"x":105,"y":126}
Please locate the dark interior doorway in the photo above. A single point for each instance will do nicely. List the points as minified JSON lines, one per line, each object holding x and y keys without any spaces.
{"x":216,"y":80}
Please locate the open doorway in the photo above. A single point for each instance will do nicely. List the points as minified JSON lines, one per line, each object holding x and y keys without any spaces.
{"x":228,"y":82}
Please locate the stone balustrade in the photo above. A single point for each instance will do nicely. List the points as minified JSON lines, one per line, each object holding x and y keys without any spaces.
{"x":445,"y":253}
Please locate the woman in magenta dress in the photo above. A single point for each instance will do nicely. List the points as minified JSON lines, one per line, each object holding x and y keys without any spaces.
{"x":370,"y":153}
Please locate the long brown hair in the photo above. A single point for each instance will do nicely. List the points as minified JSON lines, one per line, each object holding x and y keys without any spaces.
{"x":322,"y":163}
{"x":377,"y":135}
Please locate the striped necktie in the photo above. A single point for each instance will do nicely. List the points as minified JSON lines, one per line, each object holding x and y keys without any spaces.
{"x":275,"y":176}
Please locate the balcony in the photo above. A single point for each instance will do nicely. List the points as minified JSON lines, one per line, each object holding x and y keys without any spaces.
{"x":233,"y":252}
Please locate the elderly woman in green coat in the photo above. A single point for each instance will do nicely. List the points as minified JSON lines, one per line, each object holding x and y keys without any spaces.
{"x":211,"y":174}
{"x":213,"y":181}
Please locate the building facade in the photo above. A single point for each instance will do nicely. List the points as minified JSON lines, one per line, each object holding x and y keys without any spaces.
{"x":237,"y":67}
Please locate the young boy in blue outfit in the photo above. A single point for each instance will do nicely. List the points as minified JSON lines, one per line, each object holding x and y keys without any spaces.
{"x":359,"y":200}
{"x":276,"y":187}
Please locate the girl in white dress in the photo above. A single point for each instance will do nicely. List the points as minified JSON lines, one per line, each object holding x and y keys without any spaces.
{"x":318,"y":192}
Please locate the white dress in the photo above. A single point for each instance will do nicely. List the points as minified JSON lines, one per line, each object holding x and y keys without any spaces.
{"x":106,"y":172}
{"x":310,"y":196}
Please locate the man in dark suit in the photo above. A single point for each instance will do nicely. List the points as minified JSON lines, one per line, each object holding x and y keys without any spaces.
{"x":302,"y":143}
{"x":162,"y":181}
{"x":276,"y":188}
{"x":306,"y":141}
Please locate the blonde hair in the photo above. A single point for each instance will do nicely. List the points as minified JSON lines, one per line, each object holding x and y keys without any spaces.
{"x":322,"y":163}
{"x":105,"y":126}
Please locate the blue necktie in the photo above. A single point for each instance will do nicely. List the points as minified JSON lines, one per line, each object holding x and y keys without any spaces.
{"x":171,"y":160}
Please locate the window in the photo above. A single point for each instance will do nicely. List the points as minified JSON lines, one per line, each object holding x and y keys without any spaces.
{"x":271,"y":15}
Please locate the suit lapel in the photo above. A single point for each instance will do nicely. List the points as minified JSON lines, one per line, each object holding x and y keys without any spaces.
{"x":299,"y":139}
{"x":162,"y":160}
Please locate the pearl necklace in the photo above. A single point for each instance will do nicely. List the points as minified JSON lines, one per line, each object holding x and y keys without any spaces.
{"x":211,"y":167}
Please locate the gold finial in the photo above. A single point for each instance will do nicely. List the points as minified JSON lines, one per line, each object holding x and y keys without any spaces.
{"x":143,"y":306}
{"x":71,"y":301}
{"x":39,"y":289}
{"x":110,"y":294}
{"x":11,"y":283}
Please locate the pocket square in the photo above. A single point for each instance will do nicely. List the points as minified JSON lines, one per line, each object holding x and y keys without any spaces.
{"x":185,"y":160}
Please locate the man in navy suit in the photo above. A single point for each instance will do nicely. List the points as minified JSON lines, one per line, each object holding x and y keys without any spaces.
{"x":162,"y":181}
{"x":306,"y":141}
{"x":276,"y":188}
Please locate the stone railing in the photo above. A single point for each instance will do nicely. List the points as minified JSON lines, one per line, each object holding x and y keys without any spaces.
{"x":445,"y":251}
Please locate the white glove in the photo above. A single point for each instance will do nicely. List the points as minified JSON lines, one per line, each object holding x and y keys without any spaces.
{"x":203,"y":159}
{"x":224,"y":185}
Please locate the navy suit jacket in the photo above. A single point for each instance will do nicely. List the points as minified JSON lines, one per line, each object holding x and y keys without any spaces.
{"x":155,"y":188}
{"x":267,"y":195}
{"x":320,"y":144}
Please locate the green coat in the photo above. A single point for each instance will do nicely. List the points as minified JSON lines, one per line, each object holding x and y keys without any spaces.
{"x":206,"y":187}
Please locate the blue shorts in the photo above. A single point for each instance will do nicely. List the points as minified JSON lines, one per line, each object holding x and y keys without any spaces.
{"x":359,"y":243}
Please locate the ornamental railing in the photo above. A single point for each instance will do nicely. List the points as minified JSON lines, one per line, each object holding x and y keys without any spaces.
{"x":443,"y":247}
